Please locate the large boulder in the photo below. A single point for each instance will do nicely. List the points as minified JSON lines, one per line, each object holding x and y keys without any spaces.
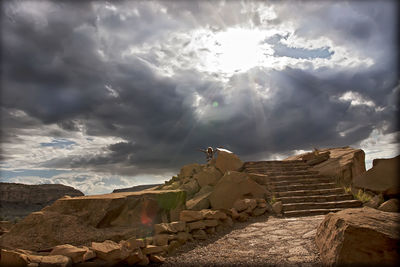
{"x":232,"y":186}
{"x":227,"y":161}
{"x":362,"y":236}
{"x":344,"y":163}
{"x":189,"y":170}
{"x":80,"y":220}
{"x":382,"y":178}
{"x":208,"y":176}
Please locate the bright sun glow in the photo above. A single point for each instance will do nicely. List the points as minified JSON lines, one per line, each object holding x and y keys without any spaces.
{"x":234,"y":50}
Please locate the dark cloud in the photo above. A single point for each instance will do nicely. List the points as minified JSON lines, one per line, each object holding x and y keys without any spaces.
{"x":68,"y":69}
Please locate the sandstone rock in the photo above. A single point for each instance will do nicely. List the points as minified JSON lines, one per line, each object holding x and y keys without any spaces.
{"x":145,"y":261}
{"x":135,"y":243}
{"x":110,"y":251}
{"x":148,"y":241}
{"x":151,"y":249}
{"x":208,"y":176}
{"x":258,"y":211}
{"x":235,"y":214}
{"x":189,"y":170}
{"x":199,"y":234}
{"x":135,"y":256}
{"x":243,"y":216}
{"x":191,"y":188}
{"x":392,"y":205}
{"x":76,"y":254}
{"x":80,"y":220}
{"x":191,"y":215}
{"x":173,"y":246}
{"x":227,"y":161}
{"x":210,"y":223}
{"x":183,"y":237}
{"x":137,"y":188}
{"x":213,"y":214}
{"x":210,"y":230}
{"x":170,"y":228}
{"x":344,"y":163}
{"x":156,"y":258}
{"x":261,"y":179}
{"x":199,"y":202}
{"x":375,"y":201}
{"x":277,"y":207}
{"x":55,"y":261}
{"x":362,"y":236}
{"x":13,"y":258}
{"x":196,"y":225}
{"x":232,"y":186}
{"x":245,"y":204}
{"x":161,"y":239}
{"x":383,"y":178}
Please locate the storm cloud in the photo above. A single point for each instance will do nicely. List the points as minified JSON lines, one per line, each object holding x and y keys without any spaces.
{"x":135,"y":88}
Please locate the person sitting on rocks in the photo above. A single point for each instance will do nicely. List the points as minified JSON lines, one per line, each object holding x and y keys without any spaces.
{"x":209,"y":153}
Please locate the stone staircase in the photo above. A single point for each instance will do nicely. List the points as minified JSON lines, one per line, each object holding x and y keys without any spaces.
{"x":303,"y":192}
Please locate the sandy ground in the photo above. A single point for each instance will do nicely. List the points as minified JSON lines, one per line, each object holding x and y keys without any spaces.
{"x":261,"y":241}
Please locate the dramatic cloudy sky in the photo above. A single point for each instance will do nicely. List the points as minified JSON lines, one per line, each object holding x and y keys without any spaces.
{"x":103,"y":95}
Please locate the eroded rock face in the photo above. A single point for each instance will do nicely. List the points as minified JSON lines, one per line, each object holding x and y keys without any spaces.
{"x":359,"y":236}
{"x":18,"y":200}
{"x":232,"y":186}
{"x":344,"y":163}
{"x":382,"y":178}
{"x":80,"y":220}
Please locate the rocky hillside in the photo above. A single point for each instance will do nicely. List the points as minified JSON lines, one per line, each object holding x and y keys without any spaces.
{"x":18,"y":200}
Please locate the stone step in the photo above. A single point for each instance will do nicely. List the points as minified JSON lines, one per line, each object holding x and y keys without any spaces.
{"x":276,"y":162}
{"x":331,"y":191}
{"x":294,"y":177}
{"x":318,"y":198}
{"x":297,"y":187}
{"x":275,"y":169}
{"x":301,"y":181}
{"x":301,"y":213}
{"x":322,"y":205}
{"x":286,"y":173}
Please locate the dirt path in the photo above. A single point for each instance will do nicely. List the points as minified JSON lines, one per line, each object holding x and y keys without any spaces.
{"x":261,"y":241}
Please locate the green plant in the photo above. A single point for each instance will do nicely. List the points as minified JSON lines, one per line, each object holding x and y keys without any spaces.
{"x":272,"y":200}
{"x":362,"y":196}
{"x":347,"y":189}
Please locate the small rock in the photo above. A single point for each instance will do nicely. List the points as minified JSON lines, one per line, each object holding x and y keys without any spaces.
{"x":150,"y":249}
{"x":235,"y":214}
{"x":213,"y":214}
{"x":156,"y":258}
{"x":170,"y":228}
{"x":145,"y":261}
{"x":243,"y":216}
{"x":173,"y":246}
{"x":375,"y":201}
{"x":210,"y":230}
{"x":13,"y":258}
{"x":76,"y":254}
{"x":110,"y":251}
{"x":135,"y":256}
{"x":210,"y":223}
{"x":160,"y":239}
{"x":55,"y":261}
{"x":136,"y":243}
{"x":258,"y":211}
{"x":191,"y":215}
{"x":392,"y":205}
{"x":245,"y":204}
{"x":196,"y":225}
{"x":183,"y":237}
{"x":199,"y":234}
{"x":277,"y":207}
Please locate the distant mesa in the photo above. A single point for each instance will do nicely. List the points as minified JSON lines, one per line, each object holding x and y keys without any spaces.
{"x":19,"y":200}
{"x":136,"y":188}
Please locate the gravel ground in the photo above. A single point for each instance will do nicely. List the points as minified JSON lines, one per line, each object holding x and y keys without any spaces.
{"x":261,"y":241}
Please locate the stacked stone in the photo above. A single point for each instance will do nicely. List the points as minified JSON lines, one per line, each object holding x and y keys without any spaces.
{"x":243,"y":208}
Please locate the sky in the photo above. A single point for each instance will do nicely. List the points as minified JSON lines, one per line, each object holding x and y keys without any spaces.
{"x":103,"y":95}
